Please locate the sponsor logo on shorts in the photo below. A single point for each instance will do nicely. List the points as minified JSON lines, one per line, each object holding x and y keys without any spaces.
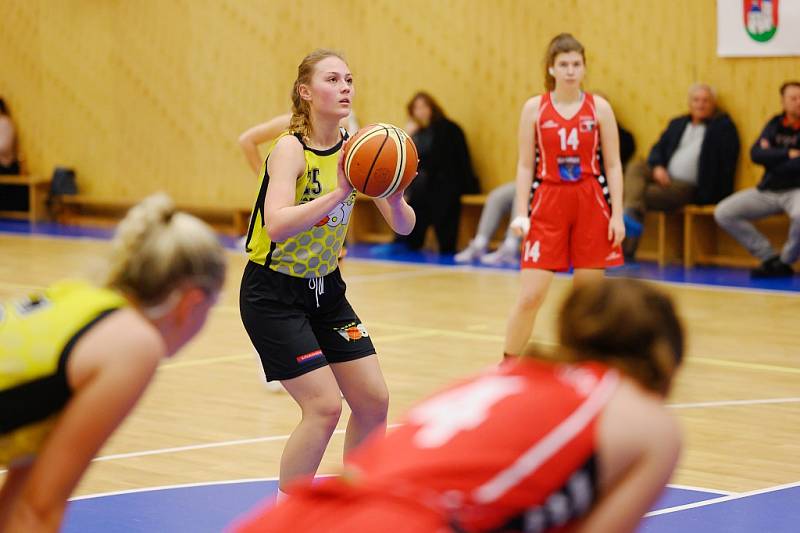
{"x":613,"y":255}
{"x":352,"y":332}
{"x":550,"y":124}
{"x":306,"y":357}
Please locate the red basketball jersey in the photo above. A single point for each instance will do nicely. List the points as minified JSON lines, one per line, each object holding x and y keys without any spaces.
{"x":568,"y":149}
{"x":512,"y":449}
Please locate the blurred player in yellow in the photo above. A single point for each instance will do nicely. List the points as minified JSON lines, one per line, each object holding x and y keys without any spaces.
{"x":75,"y":358}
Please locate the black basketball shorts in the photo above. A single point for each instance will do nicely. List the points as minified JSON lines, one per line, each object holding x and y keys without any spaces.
{"x":300,"y":324}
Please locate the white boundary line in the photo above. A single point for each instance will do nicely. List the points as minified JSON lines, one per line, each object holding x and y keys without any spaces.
{"x":727,"y":403}
{"x":236,"y":442}
{"x":700,"y":489}
{"x":176,"y":486}
{"x":728,"y":498}
{"x":191,"y":447}
{"x":184,"y":486}
{"x":275,"y":478}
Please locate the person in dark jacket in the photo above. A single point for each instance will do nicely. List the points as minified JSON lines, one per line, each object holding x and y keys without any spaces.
{"x":445,"y":173}
{"x":12,"y":197}
{"x":777,"y":149}
{"x":694,"y":161}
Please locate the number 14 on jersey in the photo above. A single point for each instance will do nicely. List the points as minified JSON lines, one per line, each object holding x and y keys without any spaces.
{"x":568,"y":139}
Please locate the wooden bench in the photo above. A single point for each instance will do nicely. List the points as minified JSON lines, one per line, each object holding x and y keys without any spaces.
{"x":79,"y":209}
{"x":38,"y":189}
{"x":691,"y":236}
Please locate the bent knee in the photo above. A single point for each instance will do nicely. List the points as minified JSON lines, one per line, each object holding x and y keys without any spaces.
{"x":723,"y":214}
{"x":327,"y":408}
{"x":373,"y":403}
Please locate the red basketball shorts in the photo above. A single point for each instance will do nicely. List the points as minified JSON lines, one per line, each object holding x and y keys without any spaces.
{"x":569,"y":227}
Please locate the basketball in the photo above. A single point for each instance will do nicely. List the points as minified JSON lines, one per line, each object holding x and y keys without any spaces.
{"x":380,"y":160}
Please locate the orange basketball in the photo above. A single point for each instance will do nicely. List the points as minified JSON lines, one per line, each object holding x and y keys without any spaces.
{"x":380,"y":159}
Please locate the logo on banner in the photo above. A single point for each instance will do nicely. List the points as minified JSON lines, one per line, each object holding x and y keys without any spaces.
{"x":760,"y":19}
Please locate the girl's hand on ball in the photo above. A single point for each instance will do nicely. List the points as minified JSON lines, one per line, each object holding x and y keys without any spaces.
{"x":396,"y":197}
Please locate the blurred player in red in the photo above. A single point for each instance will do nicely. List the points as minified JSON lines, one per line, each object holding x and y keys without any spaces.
{"x":581,"y":443}
{"x":568,"y":204}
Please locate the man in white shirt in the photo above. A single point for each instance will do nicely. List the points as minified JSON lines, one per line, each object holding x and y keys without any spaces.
{"x":694,"y":161}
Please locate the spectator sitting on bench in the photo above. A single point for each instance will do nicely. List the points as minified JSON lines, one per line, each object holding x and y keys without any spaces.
{"x":778,"y":150}
{"x":9,"y":164}
{"x":499,"y":204}
{"x":694,"y":161}
{"x":12,"y":197}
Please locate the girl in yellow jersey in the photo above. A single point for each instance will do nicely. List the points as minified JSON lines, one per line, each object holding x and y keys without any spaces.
{"x":292,"y":298}
{"x":75,"y":358}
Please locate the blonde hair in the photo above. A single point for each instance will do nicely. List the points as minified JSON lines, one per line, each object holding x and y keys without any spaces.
{"x":157,"y":248}
{"x":560,"y":44}
{"x":626,"y":324}
{"x":301,"y":109}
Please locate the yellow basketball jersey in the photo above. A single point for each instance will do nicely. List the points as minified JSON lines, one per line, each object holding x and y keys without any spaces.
{"x":36,"y":337}
{"x":315,"y":251}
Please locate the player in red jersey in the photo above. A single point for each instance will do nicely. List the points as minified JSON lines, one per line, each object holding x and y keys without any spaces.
{"x":582,"y":443}
{"x":570,"y":210}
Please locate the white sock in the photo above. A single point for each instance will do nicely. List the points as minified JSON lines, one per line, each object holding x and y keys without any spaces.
{"x":511,"y":243}
{"x":480,"y":242}
{"x":281,"y":496}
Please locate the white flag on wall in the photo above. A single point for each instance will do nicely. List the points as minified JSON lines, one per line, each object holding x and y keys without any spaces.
{"x":758,"y":28}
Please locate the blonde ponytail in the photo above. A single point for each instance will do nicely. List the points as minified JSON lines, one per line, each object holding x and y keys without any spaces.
{"x":301,"y":109}
{"x":157,"y":248}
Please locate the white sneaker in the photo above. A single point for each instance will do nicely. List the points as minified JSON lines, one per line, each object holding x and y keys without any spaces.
{"x":469,"y":254}
{"x":501,"y":256}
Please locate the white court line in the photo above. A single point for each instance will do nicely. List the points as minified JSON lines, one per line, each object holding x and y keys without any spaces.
{"x":275,"y":478}
{"x":700,"y":489}
{"x":736,"y":496}
{"x":184,"y":486}
{"x":203,"y":446}
{"x":236,"y":442}
{"x":726,"y":403}
{"x":273,"y":438}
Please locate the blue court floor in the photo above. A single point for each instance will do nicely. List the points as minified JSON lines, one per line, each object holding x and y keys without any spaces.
{"x":212,"y":507}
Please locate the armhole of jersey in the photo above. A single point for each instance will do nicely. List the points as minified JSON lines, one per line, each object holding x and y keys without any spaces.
{"x":597,"y":149}
{"x":67,"y":351}
{"x":258,"y":207}
{"x":538,"y":146}
{"x":36,"y":400}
